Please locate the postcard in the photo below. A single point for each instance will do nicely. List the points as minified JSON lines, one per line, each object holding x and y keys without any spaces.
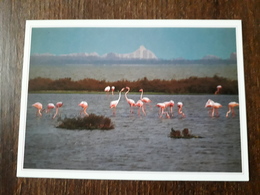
{"x":133,"y":100}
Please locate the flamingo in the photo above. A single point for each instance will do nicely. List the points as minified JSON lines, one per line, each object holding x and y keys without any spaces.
{"x":214,"y":107}
{"x":58,"y":105}
{"x":38,"y":106}
{"x":180,"y":105}
{"x":170,"y":104}
{"x":50,"y":106}
{"x":140,"y":104}
{"x":209,"y":104}
{"x":144,"y":99}
{"x":107,"y":89}
{"x":218,"y":89}
{"x":84,"y":106}
{"x":162,"y":106}
{"x":129,"y":101}
{"x":114,"y":103}
{"x":231,"y":106}
{"x":113,"y":89}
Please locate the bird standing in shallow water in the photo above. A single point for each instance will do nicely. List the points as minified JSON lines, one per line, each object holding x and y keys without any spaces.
{"x":231,"y":106}
{"x":58,"y":105}
{"x":140,"y":104}
{"x":50,"y":106}
{"x":113,"y":104}
{"x":38,"y":106}
{"x":145,"y":100}
{"x":107,"y":89}
{"x":84,"y":106}
{"x":131,"y":102}
{"x":162,"y":106}
{"x":218,"y":89}
{"x":180,"y":105}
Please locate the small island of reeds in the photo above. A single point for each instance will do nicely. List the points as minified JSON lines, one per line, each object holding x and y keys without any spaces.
{"x":185,"y":133}
{"x":91,"y":122}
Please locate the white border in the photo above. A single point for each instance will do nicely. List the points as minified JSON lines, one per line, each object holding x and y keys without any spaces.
{"x":134,"y":175}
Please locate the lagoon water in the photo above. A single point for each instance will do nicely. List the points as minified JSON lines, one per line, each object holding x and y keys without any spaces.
{"x":133,"y":72}
{"x":136,"y":143}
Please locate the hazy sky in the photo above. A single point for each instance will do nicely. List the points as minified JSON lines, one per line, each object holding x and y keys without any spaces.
{"x":166,"y":43}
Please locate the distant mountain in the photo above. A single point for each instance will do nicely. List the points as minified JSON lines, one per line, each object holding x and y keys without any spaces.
{"x":141,"y":53}
{"x":139,"y":56}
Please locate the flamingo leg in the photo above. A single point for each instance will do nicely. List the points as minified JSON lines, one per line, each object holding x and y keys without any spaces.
{"x":143,"y":111}
{"x":85,"y":112}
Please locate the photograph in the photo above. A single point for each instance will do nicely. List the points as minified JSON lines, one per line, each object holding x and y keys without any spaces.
{"x":133,"y":100}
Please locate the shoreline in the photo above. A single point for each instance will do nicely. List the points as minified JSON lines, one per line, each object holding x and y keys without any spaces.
{"x":102,"y":92}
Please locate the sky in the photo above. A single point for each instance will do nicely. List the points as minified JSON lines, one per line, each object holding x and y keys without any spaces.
{"x":165,"y":43}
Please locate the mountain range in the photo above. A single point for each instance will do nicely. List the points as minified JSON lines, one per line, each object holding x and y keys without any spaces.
{"x":141,"y":55}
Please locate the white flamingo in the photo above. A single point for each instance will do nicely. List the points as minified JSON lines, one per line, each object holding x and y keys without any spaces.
{"x":114,"y":103}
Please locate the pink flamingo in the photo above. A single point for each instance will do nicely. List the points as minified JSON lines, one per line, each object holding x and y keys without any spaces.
{"x":129,"y":101}
{"x":209,"y":104}
{"x":58,"y":105}
{"x":180,"y":105}
{"x":140,"y":104}
{"x":50,"y":106}
{"x":162,"y":106}
{"x":214,"y":107}
{"x":218,"y":89}
{"x":107,"y":89}
{"x":114,"y":103}
{"x":113,"y":89}
{"x":231,"y":106}
{"x":170,"y":104}
{"x":38,"y":106}
{"x":145,"y":100}
{"x":84,"y":106}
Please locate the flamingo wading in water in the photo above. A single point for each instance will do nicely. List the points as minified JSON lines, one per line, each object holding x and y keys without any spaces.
{"x":107,"y":89}
{"x":170,"y":104}
{"x":180,"y":105}
{"x":84,"y":106}
{"x":50,"y":106}
{"x":145,"y":100}
{"x":114,"y":103}
{"x":231,"y":106}
{"x":113,"y":89}
{"x":140,"y":104}
{"x":131,"y":102}
{"x":218,"y":89}
{"x":58,"y":105}
{"x":162,"y":106}
{"x":38,"y":106}
{"x":214,"y":107}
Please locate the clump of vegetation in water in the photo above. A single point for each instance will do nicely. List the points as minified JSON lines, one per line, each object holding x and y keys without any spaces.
{"x":90,"y":122}
{"x":185,"y":133}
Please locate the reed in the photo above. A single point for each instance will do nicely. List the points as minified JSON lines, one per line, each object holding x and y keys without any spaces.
{"x":91,"y":122}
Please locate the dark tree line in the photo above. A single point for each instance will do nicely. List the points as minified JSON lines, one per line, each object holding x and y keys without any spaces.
{"x":196,"y":85}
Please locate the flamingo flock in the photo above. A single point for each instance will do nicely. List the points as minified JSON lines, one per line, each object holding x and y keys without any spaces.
{"x":141,"y":105}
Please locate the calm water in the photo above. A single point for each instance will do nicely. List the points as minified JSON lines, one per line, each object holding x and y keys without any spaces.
{"x":136,"y":143}
{"x":133,"y":71}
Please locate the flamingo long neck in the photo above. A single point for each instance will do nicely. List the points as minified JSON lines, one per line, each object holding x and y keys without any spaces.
{"x":57,"y":110}
{"x":141,"y":97}
{"x":119,"y":96}
{"x":229,"y":110}
{"x":126,"y":94}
